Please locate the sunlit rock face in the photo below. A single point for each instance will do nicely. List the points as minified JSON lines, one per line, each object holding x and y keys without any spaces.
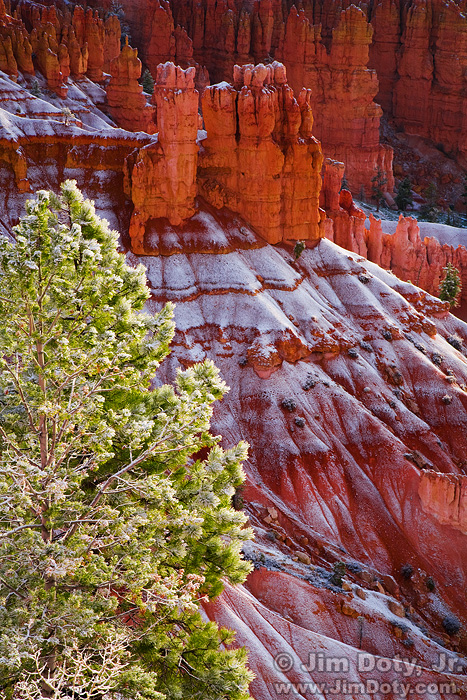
{"x":406,"y":252}
{"x":126,"y":101}
{"x":325,"y":49}
{"x":409,"y":56}
{"x":260,"y":158}
{"x":161,"y":177}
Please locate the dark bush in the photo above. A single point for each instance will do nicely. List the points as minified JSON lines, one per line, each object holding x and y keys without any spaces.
{"x":338,"y":571}
{"x":455,"y":342}
{"x":408,"y":643}
{"x":437,"y":359}
{"x":289,"y":405}
{"x":310,"y":382}
{"x":420,"y":347}
{"x":407,"y":571}
{"x":298,"y":249}
{"x":451,"y":625}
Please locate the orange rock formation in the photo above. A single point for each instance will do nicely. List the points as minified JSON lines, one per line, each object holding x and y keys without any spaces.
{"x":158,"y":37}
{"x":126,"y":102}
{"x":161,"y":177}
{"x":259,"y":158}
{"x":343,"y":88}
{"x":384,"y":48}
{"x":62,"y":44}
{"x":343,"y":92}
{"x":420,"y":55}
{"x":404,"y":252}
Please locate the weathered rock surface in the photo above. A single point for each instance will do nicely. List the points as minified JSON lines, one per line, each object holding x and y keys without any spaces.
{"x":259,"y":158}
{"x":161,"y":177}
{"x":445,"y":497}
{"x":335,"y":69}
{"x":125,"y":98}
{"x":350,"y":384}
{"x":338,"y":478}
{"x":343,"y":92}
{"x":420,"y":54}
{"x":404,"y":252}
{"x":40,"y":144}
{"x":57,"y":43}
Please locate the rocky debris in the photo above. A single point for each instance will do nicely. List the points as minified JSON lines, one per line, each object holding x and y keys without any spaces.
{"x":396,"y":608}
{"x":303,"y":557}
{"x":360,"y":592}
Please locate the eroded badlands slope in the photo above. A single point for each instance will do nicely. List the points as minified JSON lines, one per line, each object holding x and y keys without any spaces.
{"x":346,"y":384}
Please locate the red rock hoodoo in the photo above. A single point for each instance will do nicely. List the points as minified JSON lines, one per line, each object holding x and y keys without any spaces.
{"x":125,"y":98}
{"x":336,"y":70}
{"x":259,"y":158}
{"x":161,"y":177}
{"x":58,"y":43}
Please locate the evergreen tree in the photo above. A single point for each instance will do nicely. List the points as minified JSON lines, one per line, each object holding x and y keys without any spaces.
{"x":112,"y":524}
{"x":451,"y":285}
{"x":464,"y":191}
{"x":147,"y":81}
{"x":299,"y":247}
{"x":404,"y":194}
{"x":35,"y":89}
{"x":429,"y":210}
{"x":377,"y":187}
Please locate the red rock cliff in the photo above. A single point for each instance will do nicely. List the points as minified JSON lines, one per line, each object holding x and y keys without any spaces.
{"x":343,"y":91}
{"x":445,"y":497}
{"x":343,"y":88}
{"x":420,"y":54}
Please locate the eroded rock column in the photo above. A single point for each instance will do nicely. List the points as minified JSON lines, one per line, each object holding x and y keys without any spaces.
{"x":260,"y":158}
{"x":161,"y":177}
